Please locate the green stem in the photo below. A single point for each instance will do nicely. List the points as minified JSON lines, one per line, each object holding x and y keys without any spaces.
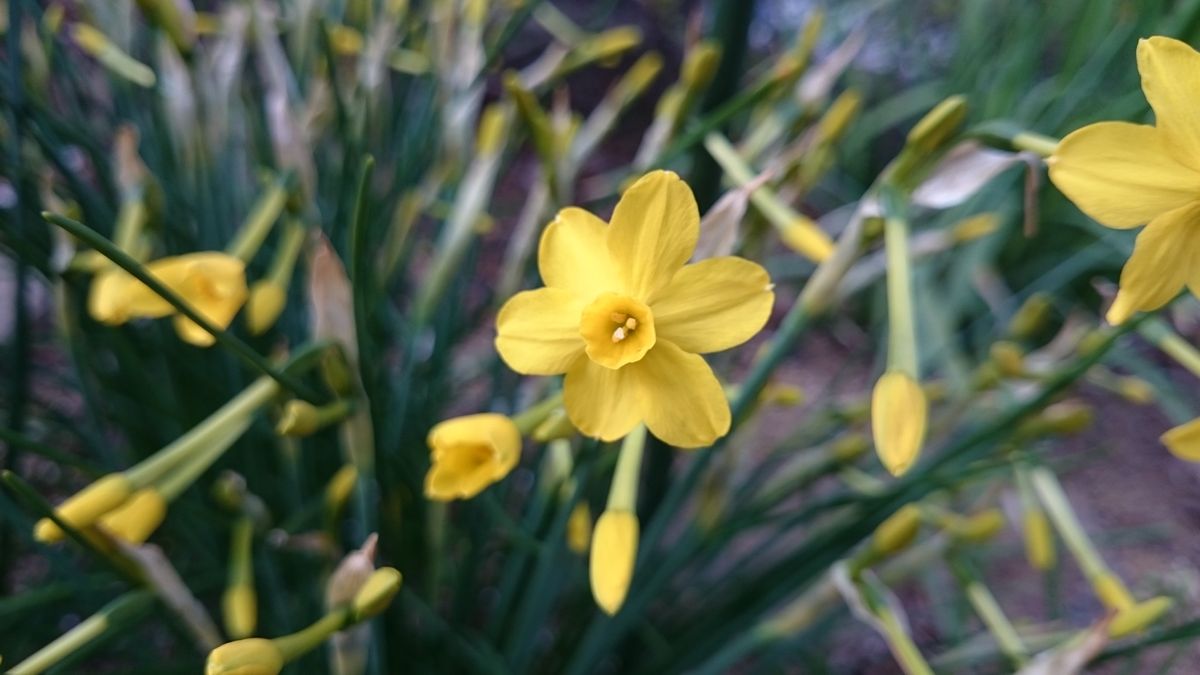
{"x":1058,"y":507}
{"x":301,"y":642}
{"x":139,"y":272}
{"x":530,"y":418}
{"x":112,"y":616}
{"x":902,"y":334}
{"x":622,"y":496}
{"x":260,"y":221}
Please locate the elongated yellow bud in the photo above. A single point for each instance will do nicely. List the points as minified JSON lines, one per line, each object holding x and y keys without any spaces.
{"x":264,"y":305}
{"x":1135,"y":390}
{"x":1111,"y":591}
{"x":898,"y":531}
{"x":138,"y":518}
{"x":974,"y":227}
{"x":579,"y":529}
{"x":1039,"y":540}
{"x":977,"y":528}
{"x":938,"y":125}
{"x":377,"y":593}
{"x":252,"y":656}
{"x":1184,"y":441}
{"x":337,"y":492}
{"x":614,"y":552}
{"x":1139,"y":617}
{"x":849,"y":447}
{"x":239,"y":608}
{"x":898,"y":415}
{"x":299,"y":419}
{"x":1032,"y":316}
{"x":86,"y":506}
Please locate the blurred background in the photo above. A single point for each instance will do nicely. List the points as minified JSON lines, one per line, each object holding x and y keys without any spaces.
{"x":302,"y":91}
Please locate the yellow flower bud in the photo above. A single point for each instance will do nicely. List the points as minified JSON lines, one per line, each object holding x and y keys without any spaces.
{"x":252,"y":656}
{"x":493,"y":128}
{"x":1135,"y":390}
{"x":86,"y":506}
{"x":1139,"y":617}
{"x":377,"y":593}
{"x":239,"y":607}
{"x":979,"y":527}
{"x":1184,"y":441}
{"x":838,"y":117}
{"x":1039,"y":540}
{"x":1111,"y":591}
{"x":340,"y":486}
{"x":1064,"y":418}
{"x":264,"y":305}
{"x":614,"y":552}
{"x":345,"y":40}
{"x":579,"y":528}
{"x":898,"y":531}
{"x":975,"y":227}
{"x":1031,"y":317}
{"x":898,"y":416}
{"x":299,"y":419}
{"x":783,"y":395}
{"x":138,"y":518}
{"x":469,"y":454}
{"x":849,"y":447}
{"x":938,"y":125}
{"x":1008,"y":357}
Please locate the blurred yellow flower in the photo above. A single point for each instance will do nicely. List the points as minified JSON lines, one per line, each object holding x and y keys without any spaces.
{"x":898,"y":412}
{"x":626,"y":319}
{"x":138,"y":518}
{"x":1125,"y":175}
{"x":213,"y":283}
{"x":614,"y":551}
{"x":252,"y":656}
{"x":470,"y":453}
{"x":1184,"y":440}
{"x":579,"y":528}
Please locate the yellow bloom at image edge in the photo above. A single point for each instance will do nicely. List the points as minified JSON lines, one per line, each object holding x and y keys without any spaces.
{"x":614,"y":551}
{"x":252,"y":656}
{"x":898,"y":415}
{"x":626,"y":319}
{"x":470,"y":453}
{"x":1125,"y":175}
{"x":86,"y":506}
{"x":214,"y":284}
{"x":1184,"y":441}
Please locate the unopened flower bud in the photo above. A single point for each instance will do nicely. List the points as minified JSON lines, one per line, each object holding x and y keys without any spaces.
{"x":252,"y":656}
{"x":377,"y":593}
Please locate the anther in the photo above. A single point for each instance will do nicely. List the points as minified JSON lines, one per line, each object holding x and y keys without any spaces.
{"x":618,"y":334}
{"x":618,"y":317}
{"x":631,"y":323}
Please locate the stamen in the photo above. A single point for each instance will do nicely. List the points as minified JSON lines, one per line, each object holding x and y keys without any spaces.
{"x":630,"y":323}
{"x":618,"y":317}
{"x":618,"y":334}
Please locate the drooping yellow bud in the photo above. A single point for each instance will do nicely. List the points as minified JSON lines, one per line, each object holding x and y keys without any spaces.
{"x":1031,"y":317}
{"x":264,"y":305}
{"x":838,"y":117}
{"x":493,"y":127}
{"x":470,"y":453}
{"x":804,"y":236}
{"x":1184,"y":441}
{"x":1135,"y":390}
{"x":699,"y":65}
{"x":1008,"y":357}
{"x":849,"y":447}
{"x":898,"y":531}
{"x":1063,"y":418}
{"x":377,"y":593}
{"x":138,"y":518}
{"x":614,"y":552}
{"x":1139,"y":617}
{"x":86,"y":506}
{"x":1039,"y":540}
{"x":938,"y":125}
{"x":787,"y":395}
{"x":239,"y":608}
{"x":252,"y":656}
{"x":579,"y":528}
{"x":98,"y":46}
{"x":1111,"y":591}
{"x":299,"y":419}
{"x":978,"y":527}
{"x":898,"y":416}
{"x":338,"y":490}
{"x":974,"y":227}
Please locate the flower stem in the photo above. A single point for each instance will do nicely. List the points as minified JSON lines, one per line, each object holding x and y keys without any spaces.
{"x":622,"y":496}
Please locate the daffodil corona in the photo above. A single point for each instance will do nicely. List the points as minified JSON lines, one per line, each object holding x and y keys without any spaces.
{"x":1125,"y":175}
{"x":626,"y":319}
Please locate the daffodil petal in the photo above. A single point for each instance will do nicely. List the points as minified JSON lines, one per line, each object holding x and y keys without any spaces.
{"x":218,"y":311}
{"x":1121,"y":174}
{"x":601,"y":402}
{"x":653,"y":232}
{"x":1170,"y":72}
{"x":714,"y":304}
{"x":470,"y":453}
{"x":1184,"y":441}
{"x":537,"y":332}
{"x":1163,"y":261}
{"x":469,"y":429}
{"x":573,"y":255}
{"x":680,"y":398}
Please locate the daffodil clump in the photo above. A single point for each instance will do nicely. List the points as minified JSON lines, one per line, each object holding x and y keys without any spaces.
{"x":467,"y":275}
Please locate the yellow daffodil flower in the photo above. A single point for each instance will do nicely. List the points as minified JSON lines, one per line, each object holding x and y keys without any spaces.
{"x":214,"y":284}
{"x":1125,"y":175}
{"x":470,"y":453}
{"x":626,"y":319}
